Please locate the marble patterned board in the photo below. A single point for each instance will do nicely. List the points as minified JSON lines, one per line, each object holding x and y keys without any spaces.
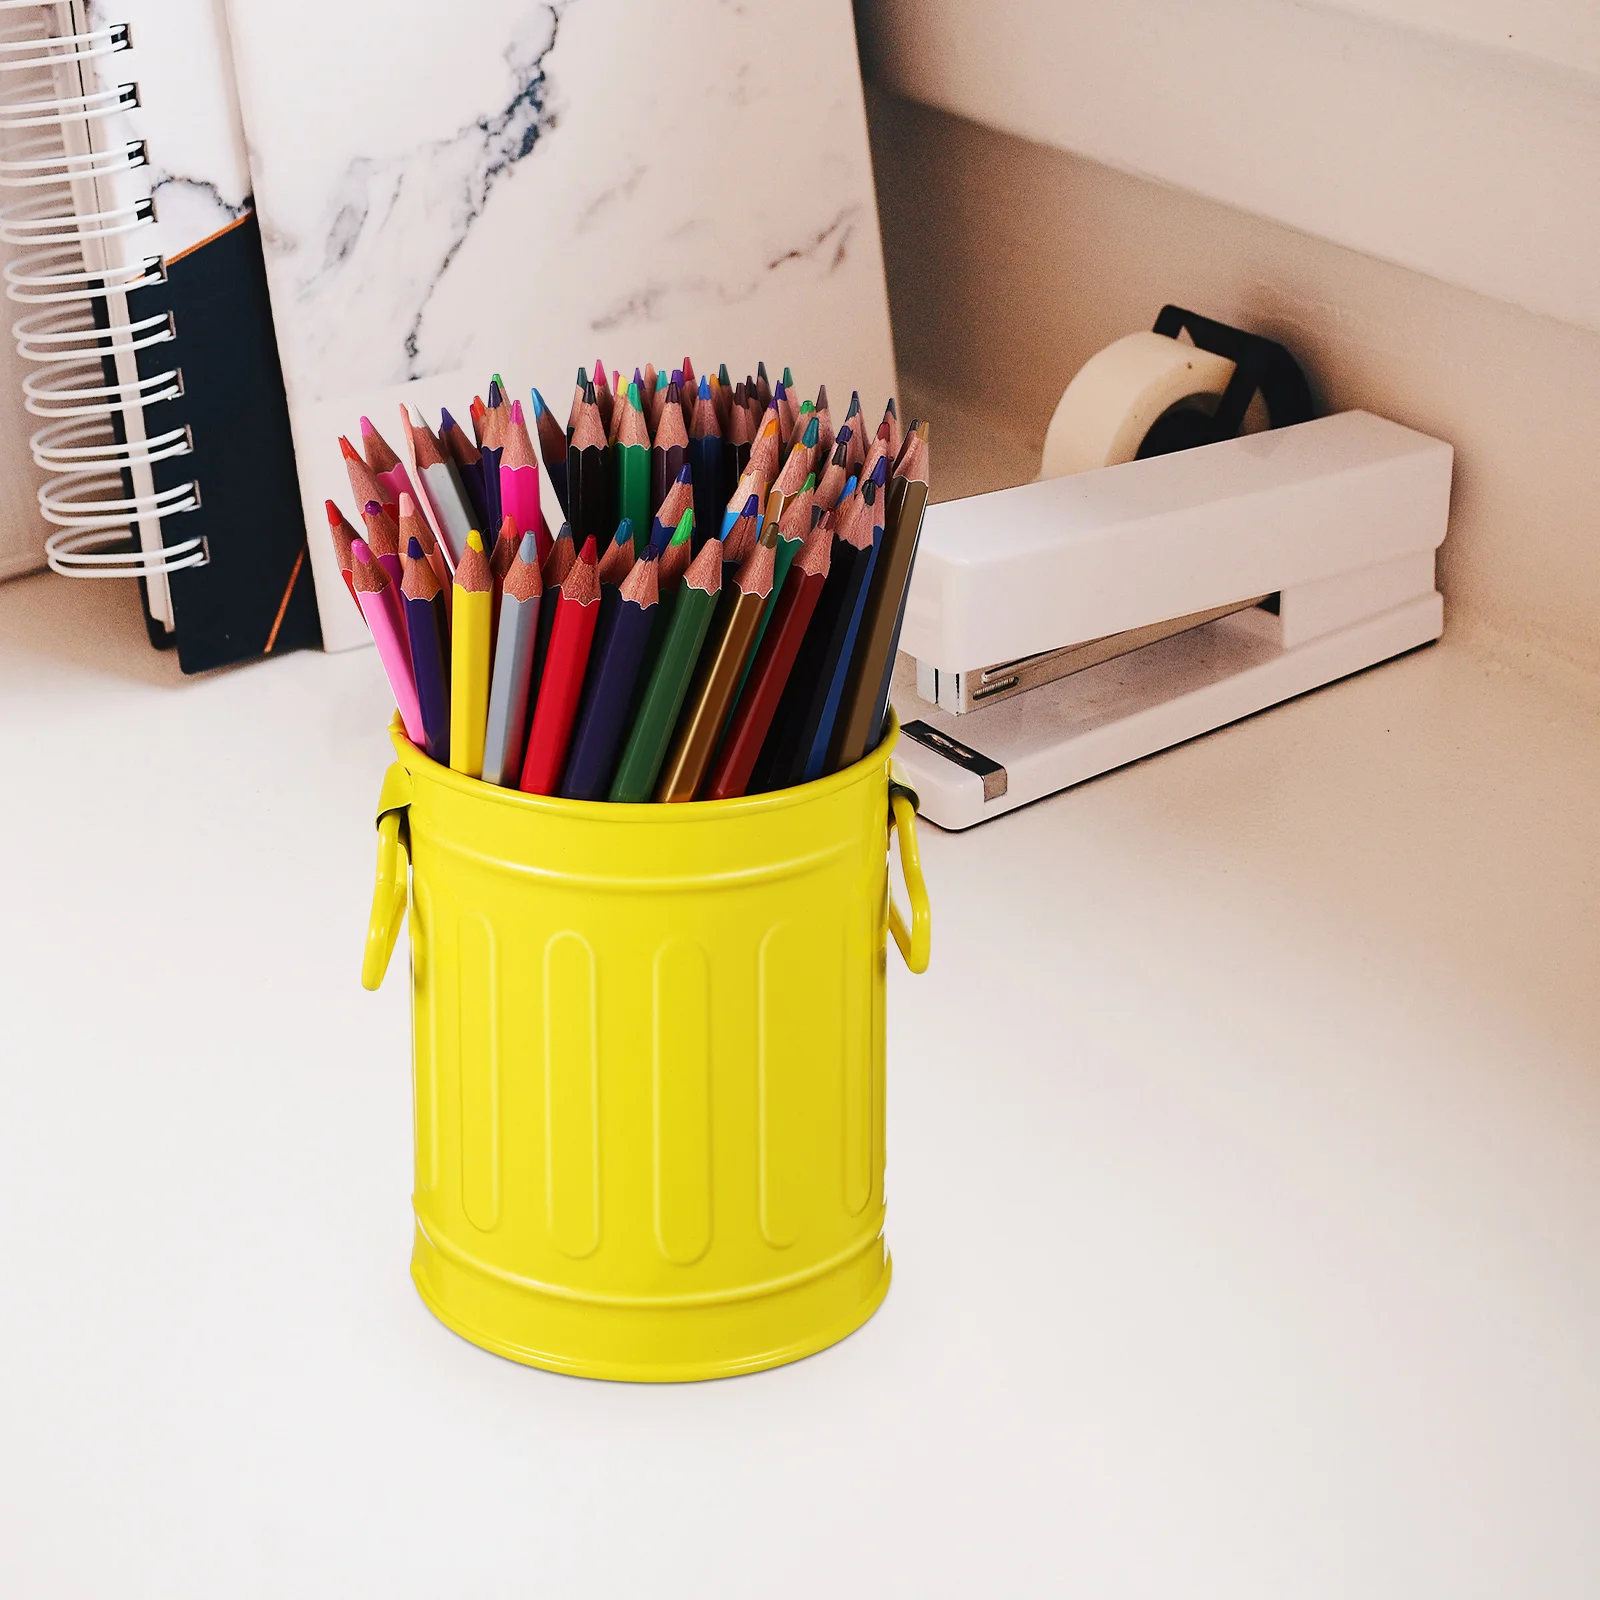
{"x":518,"y":187}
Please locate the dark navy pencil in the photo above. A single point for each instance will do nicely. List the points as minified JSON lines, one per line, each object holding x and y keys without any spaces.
{"x":427,"y":632}
{"x":705,"y":462}
{"x":617,"y":657}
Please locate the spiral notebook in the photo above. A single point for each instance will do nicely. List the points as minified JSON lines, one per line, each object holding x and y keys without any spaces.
{"x":146,"y":323}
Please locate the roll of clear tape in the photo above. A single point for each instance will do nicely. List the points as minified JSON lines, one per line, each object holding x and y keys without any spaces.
{"x":1120,"y":393}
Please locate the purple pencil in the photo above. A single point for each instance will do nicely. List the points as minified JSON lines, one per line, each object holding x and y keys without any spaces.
{"x":618,"y":655}
{"x":427,"y":634}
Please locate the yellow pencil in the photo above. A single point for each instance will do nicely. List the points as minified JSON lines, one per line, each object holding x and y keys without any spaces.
{"x":469,"y":657}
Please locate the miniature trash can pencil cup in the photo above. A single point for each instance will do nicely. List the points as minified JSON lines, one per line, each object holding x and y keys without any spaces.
{"x":649,"y":1063}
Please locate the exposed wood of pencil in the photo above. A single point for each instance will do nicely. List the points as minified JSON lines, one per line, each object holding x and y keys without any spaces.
{"x":343,"y":535}
{"x":364,"y":485}
{"x":617,"y":562}
{"x":380,"y":458}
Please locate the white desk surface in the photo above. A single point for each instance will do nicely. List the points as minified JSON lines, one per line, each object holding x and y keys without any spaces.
{"x":1244,"y":1183}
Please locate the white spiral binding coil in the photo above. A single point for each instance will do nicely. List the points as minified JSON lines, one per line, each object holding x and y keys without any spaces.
{"x":77,"y":224}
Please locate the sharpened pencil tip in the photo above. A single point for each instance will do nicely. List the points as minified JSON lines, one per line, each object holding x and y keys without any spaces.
{"x":475,"y":541}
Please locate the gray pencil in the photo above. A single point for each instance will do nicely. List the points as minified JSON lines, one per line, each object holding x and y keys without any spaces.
{"x":507,"y":727}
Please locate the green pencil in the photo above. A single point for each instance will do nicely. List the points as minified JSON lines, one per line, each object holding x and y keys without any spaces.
{"x":670,"y":676}
{"x":793,"y":526}
{"x":633,"y":468}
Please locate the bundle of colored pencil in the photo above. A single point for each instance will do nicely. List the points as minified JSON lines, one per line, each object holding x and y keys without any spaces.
{"x":717,"y":616}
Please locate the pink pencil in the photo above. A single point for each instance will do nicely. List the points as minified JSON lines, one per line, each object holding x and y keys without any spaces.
{"x":373,"y":595}
{"x":387,"y":467}
{"x":519,"y":481}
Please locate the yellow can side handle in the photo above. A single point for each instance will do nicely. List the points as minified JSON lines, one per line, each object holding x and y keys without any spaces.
{"x":388,"y":900}
{"x":917,"y":941}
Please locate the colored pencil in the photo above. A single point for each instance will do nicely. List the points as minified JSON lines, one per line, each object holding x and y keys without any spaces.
{"x":506,"y":544}
{"x":830,"y":486}
{"x":342,"y":535}
{"x":470,"y":644}
{"x":476,"y":412}
{"x":750,"y":484}
{"x":680,"y":498}
{"x":652,"y":394}
{"x":413,"y":525}
{"x":492,"y":445}
{"x":824,"y":426}
{"x":622,"y":636}
{"x":890,"y":427}
{"x":634,"y":466}
{"x":577,"y":612}
{"x":552,"y":574}
{"x":766,"y":452}
{"x":787,"y":750}
{"x":670,"y":676}
{"x":617,"y":562}
{"x":580,"y":389}
{"x":724,"y":658}
{"x":678,"y":554}
{"x":588,"y":475}
{"x":383,"y":538}
{"x":428,"y":634}
{"x":364,"y":485}
{"x":770,"y":668}
{"x":519,"y":480}
{"x":387,"y":467}
{"x":506,"y":727}
{"x":603,"y":397}
{"x":796,"y":466}
{"x":381,"y":606}
{"x":705,"y":463}
{"x":791,"y":527}
{"x":873,"y":499}
{"x":763,"y":385}
{"x":442,"y":489}
{"x":552,"y":447}
{"x":688,"y":389}
{"x":738,"y":435}
{"x":468,"y":462}
{"x":669,"y":454}
{"x":780,"y":405}
{"x":865,"y":711}
{"x":741,"y":540}
{"x":857,"y":452}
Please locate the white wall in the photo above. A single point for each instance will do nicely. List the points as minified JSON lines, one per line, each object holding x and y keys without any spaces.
{"x":1010,"y":263}
{"x":1460,"y":138}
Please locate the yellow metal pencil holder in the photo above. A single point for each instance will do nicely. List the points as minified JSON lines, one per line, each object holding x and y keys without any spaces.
{"x":649,"y":1063}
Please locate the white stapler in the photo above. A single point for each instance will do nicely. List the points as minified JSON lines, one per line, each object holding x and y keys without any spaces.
{"x":1071,"y":625}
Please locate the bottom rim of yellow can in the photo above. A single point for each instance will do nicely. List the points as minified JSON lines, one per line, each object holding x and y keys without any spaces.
{"x":636,"y":1344}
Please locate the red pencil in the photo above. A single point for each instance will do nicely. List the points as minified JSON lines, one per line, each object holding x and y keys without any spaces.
{"x":577,"y":612}
{"x":769,"y":672}
{"x":343,"y":536}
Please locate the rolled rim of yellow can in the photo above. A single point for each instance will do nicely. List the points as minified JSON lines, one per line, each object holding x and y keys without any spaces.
{"x":653,"y":811}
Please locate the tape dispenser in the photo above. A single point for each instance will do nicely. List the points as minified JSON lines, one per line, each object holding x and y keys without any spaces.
{"x":1198,"y":547}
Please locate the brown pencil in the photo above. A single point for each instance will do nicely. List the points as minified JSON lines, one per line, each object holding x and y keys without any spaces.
{"x":721,"y":669}
{"x":864,"y":706}
{"x":769,"y":672}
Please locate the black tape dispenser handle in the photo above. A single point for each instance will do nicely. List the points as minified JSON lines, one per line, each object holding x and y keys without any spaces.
{"x":1259,"y":365}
